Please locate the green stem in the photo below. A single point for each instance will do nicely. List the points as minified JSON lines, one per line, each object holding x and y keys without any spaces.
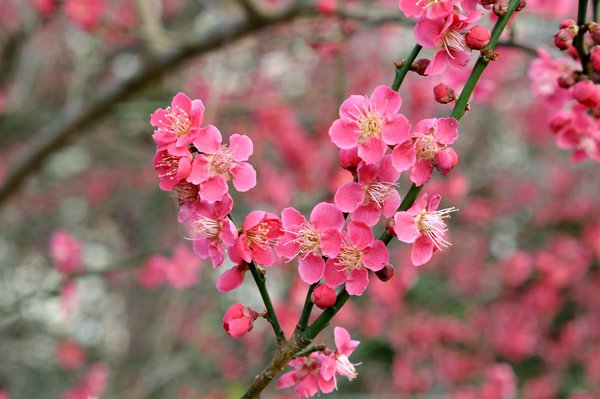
{"x":260,"y":281}
{"x":401,"y":72}
{"x":307,"y":309}
{"x":579,"y":41}
{"x":595,"y":4}
{"x":309,"y":350}
{"x":461,"y":105}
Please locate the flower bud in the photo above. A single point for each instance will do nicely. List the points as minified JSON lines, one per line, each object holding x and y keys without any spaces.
{"x":560,"y":121}
{"x":420,"y":65}
{"x":478,"y":37}
{"x":238,"y":320}
{"x":587,"y":94}
{"x":563,"y":39}
{"x":595,"y":58}
{"x":567,"y":23}
{"x":386,"y":273}
{"x":323,"y":296}
{"x":326,"y":6}
{"x":522,"y":4}
{"x":445,"y":160}
{"x":443,"y":94}
{"x":594,"y":30}
{"x":500,"y":7}
{"x":567,"y":80}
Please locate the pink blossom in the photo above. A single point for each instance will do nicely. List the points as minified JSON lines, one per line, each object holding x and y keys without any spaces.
{"x":172,"y":169}
{"x":212,"y":230}
{"x":85,"y":13}
{"x":182,"y":269}
{"x":178,"y":125}
{"x":217,"y":164}
{"x":338,"y":362}
{"x":69,"y":354}
{"x":4,"y":394}
{"x":152,"y":274}
{"x":371,"y":123}
{"x":238,"y":320}
{"x":544,"y":73}
{"x":65,"y":251}
{"x":431,"y":9}
{"x":429,"y":147}
{"x":581,"y":134}
{"x":373,"y":195}
{"x":423,"y":226}
{"x":232,"y":278}
{"x":445,"y":36}
{"x":311,"y":240}
{"x":359,"y":253}
{"x":259,"y":232}
{"x":93,"y":384}
{"x":307,"y":377}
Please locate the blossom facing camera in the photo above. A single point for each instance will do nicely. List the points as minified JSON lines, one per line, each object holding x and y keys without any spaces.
{"x":238,"y":320}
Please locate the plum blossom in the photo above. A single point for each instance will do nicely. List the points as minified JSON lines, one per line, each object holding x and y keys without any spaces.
{"x":311,"y":240}
{"x":359,"y":253}
{"x":172,"y":169}
{"x":373,"y":195}
{"x":178,"y":125}
{"x":371,"y":123}
{"x":212,"y":230}
{"x":65,"y":251}
{"x":307,"y":376}
{"x":445,"y":36}
{"x":431,"y":9}
{"x":232,"y":278}
{"x":217,"y":164}
{"x":85,"y":13}
{"x":429,"y":147}
{"x":424,"y":227}
{"x":544,"y":73}
{"x":259,"y":232}
{"x":338,"y":362}
{"x":579,"y":132}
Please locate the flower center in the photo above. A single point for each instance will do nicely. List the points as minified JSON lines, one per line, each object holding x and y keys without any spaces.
{"x":186,"y":192}
{"x":426,"y":147}
{"x":308,"y":238}
{"x":206,"y":226}
{"x":350,"y":257}
{"x":378,"y":193}
{"x":222,"y":161}
{"x":261,"y":234}
{"x":167,"y":167}
{"x":344,"y":367}
{"x":179,"y":122}
{"x":453,"y":40}
{"x":432,"y":223}
{"x":370,"y":125}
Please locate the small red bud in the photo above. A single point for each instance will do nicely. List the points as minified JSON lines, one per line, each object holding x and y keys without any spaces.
{"x":595,"y":58}
{"x":443,"y":94}
{"x":323,"y":296}
{"x":478,"y":37}
{"x":567,"y":23}
{"x":238,"y":320}
{"x":420,"y":65}
{"x":386,"y":273}
{"x":349,"y":159}
{"x":587,"y":94}
{"x":563,"y":39}
{"x":500,"y":7}
{"x":566,"y":81}
{"x":521,"y":6}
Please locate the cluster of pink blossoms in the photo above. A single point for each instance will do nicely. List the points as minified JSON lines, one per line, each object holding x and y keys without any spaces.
{"x":570,"y":87}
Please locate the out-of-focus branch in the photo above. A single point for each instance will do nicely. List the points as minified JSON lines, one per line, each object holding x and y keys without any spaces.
{"x":151,"y":25}
{"x":77,"y":123}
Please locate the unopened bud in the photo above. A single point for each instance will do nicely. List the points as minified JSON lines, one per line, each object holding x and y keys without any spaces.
{"x":587,"y":94}
{"x":443,"y":94}
{"x":566,"y":81}
{"x":500,"y":7}
{"x":478,"y":37}
{"x":238,"y":320}
{"x":563,"y":39}
{"x":386,"y":273}
{"x":595,"y":58}
{"x":420,"y":65}
{"x":567,"y":23}
{"x":522,"y":4}
{"x":594,"y":30}
{"x":323,"y":296}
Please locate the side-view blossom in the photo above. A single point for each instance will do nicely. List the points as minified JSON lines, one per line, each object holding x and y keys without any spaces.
{"x":359,"y":253}
{"x":445,"y":36}
{"x":372,"y":195}
{"x":311,"y":240}
{"x":428,"y":148}
{"x":238,"y":320}
{"x":177,"y":126}
{"x":172,"y":169}
{"x":259,"y":232}
{"x":212,"y":230}
{"x":217,"y":164}
{"x":371,"y":123}
{"x":337,"y":363}
{"x":424,"y":227}
{"x":232,"y":278}
{"x":431,"y":9}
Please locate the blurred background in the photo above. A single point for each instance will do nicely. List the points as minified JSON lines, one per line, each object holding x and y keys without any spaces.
{"x":510,"y":310}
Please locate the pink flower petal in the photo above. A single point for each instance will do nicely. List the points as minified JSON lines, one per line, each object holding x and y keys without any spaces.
{"x":311,"y":268}
{"x":376,"y":257}
{"x":447,"y":131}
{"x":200,"y":170}
{"x":331,"y":240}
{"x":404,"y":156}
{"x":357,"y":281}
{"x":349,"y":197}
{"x":209,"y":140}
{"x":344,"y":134}
{"x":395,"y":130}
{"x":264,"y":257}
{"x":213,"y":189}
{"x":405,"y":227}
{"x":230,"y":280}
{"x":372,"y":150}
{"x":421,"y":172}
{"x":334,"y":276}
{"x":386,"y":100}
{"x":241,"y":146}
{"x":244,"y":177}
{"x":343,"y":342}
{"x":287,"y":380}
{"x":438,"y":64}
{"x":387,"y":171}
{"x":422,"y":250}
{"x":367,"y":214}
{"x":360,"y":235}
{"x":353,"y":106}
{"x":326,"y":215}
{"x":428,"y":33}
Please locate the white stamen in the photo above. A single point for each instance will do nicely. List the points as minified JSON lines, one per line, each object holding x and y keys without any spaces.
{"x":432,"y":224}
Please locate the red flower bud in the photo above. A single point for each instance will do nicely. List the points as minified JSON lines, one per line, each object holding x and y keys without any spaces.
{"x":566,"y":81}
{"x":323,"y":296}
{"x":587,"y":93}
{"x":594,"y":30}
{"x":478,"y":37}
{"x":500,"y":7}
{"x":420,"y":65}
{"x":238,"y":320}
{"x":563,"y":39}
{"x":521,"y":6}
{"x":386,"y":273}
{"x":567,"y":23}
{"x":349,"y":159}
{"x":443,"y":94}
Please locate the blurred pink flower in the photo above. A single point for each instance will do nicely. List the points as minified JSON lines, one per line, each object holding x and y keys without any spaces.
{"x":65,"y":251}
